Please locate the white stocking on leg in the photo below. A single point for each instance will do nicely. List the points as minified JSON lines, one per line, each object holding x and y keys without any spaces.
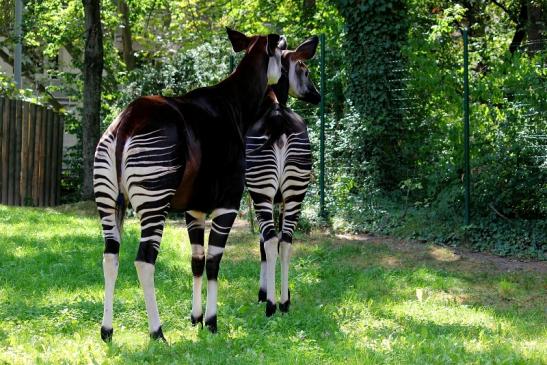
{"x":270,"y":246}
{"x":285,"y":249}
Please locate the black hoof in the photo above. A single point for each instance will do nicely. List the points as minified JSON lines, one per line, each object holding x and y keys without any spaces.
{"x":261,"y":295}
{"x":211,"y":324}
{"x":196,"y":320}
{"x":284,"y":307}
{"x":270,"y":308}
{"x":106,"y":334}
{"x":158,"y":335}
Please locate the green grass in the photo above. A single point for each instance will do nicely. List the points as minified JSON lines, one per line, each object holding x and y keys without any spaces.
{"x":353,"y":302}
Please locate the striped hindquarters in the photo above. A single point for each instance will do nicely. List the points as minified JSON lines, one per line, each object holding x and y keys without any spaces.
{"x":149,"y":176}
{"x":281,"y":168}
{"x":106,"y":189}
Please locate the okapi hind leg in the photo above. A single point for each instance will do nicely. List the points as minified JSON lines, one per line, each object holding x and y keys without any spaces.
{"x":269,"y":244}
{"x":195,"y":223}
{"x":285,"y":250}
{"x":111,"y":207}
{"x":291,"y":214}
{"x":271,"y":247}
{"x":222,"y":222}
{"x":151,"y":171}
{"x":151,"y":233}
{"x":111,"y":219}
{"x":263,"y":267}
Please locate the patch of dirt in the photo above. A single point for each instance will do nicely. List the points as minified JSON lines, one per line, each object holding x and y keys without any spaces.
{"x":450,"y":254}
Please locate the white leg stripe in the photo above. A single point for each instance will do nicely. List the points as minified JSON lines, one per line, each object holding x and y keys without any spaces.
{"x":285,"y":256}
{"x":212,"y":293}
{"x":214,"y":251}
{"x":145,"y":271}
{"x":196,"y":297}
{"x":110,"y":269}
{"x":221,"y":211}
{"x":270,"y":246}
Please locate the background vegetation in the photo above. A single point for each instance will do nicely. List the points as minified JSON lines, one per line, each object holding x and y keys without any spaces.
{"x":393,"y":98}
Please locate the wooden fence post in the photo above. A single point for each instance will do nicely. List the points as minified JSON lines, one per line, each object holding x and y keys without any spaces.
{"x":31,"y":148}
{"x":31,"y":154}
{"x":12,"y":152}
{"x":1,"y":139}
{"x":5,"y":150}
{"x":60,"y":159}
{"x":24,"y":155}
{"x":18,"y":138}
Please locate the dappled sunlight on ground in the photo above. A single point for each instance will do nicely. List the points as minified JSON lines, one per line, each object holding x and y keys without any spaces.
{"x":354,"y":299}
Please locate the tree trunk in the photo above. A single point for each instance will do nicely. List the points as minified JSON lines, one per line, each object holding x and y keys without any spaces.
{"x":127,"y":41}
{"x":308,"y":9}
{"x":93,"y":68}
{"x":520,"y":31}
{"x":536,"y":26}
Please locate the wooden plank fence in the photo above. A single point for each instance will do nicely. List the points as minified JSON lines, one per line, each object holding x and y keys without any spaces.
{"x":31,"y":154}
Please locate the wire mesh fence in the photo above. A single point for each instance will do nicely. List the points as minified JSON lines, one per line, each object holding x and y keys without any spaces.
{"x":508,"y":109}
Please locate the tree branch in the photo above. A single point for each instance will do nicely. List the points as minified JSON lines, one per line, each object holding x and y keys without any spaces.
{"x":504,"y":8}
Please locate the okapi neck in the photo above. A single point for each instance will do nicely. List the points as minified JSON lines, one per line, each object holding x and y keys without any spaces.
{"x":250,"y":84}
{"x":281,"y":90}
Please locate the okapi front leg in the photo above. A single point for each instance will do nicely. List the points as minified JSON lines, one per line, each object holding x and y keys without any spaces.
{"x":195,"y":223}
{"x":264,"y":214}
{"x":223,"y":219}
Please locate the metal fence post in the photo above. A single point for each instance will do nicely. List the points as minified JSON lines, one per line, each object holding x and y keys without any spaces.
{"x":467,"y":170}
{"x":232,"y":63}
{"x":322,"y":132}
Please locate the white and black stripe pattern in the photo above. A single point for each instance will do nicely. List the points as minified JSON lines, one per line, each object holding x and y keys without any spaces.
{"x":147,"y":163}
{"x":277,"y":171}
{"x":146,"y":177}
{"x":105,"y":184}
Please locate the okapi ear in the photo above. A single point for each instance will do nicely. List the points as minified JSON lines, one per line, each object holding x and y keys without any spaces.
{"x":307,"y":49}
{"x":282,"y":45}
{"x":273,"y":40}
{"x":239,"y":41}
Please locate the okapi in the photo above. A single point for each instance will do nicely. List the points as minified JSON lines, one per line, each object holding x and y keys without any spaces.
{"x":278,"y":168}
{"x":184,"y":153}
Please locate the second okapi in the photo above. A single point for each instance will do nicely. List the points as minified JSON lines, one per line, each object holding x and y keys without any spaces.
{"x":278,"y":168}
{"x":185,"y":153}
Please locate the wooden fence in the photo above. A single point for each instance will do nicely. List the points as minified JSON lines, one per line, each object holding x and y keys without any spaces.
{"x":31,"y":154}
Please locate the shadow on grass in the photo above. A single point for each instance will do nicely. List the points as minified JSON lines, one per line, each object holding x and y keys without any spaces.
{"x":332,"y":286}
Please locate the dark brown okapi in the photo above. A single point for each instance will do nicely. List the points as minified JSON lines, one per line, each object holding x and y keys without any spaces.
{"x":185,"y":153}
{"x":278,"y":168}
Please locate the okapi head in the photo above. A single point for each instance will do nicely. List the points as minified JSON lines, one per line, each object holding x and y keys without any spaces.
{"x":297,"y":74}
{"x":240,"y":42}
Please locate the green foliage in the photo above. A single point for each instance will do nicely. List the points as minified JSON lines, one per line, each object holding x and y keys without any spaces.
{"x":508,"y":124}
{"x":7,"y":17}
{"x":375,"y":32}
{"x":176,"y":74}
{"x":394,"y":143}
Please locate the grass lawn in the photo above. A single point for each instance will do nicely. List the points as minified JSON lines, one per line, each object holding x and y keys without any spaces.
{"x":355,"y":300}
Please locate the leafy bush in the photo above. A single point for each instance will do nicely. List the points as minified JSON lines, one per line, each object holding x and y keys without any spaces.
{"x":176,"y":74}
